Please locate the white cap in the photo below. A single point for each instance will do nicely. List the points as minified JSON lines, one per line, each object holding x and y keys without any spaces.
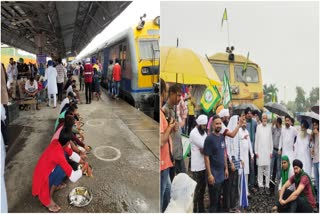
{"x":224,"y":113}
{"x":202,"y":120}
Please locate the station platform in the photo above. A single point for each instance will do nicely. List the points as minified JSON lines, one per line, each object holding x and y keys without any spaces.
{"x":124,"y":157}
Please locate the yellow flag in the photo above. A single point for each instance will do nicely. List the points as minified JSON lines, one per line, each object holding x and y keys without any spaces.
{"x":225,"y":16}
{"x":245,"y":66}
{"x":210,"y":99}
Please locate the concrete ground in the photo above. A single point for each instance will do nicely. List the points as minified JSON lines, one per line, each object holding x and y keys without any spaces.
{"x":127,"y":184}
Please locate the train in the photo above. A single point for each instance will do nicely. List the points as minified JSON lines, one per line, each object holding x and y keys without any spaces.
{"x":137,"y":48}
{"x":245,"y":87}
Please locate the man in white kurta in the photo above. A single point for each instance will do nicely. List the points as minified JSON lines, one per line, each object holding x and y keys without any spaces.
{"x":263,"y":150}
{"x":302,"y":149}
{"x":51,"y":76}
{"x":287,"y":138}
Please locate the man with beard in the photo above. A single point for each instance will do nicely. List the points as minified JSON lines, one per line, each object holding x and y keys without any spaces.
{"x":287,"y":139}
{"x":216,"y":161}
{"x":302,"y":149}
{"x":251,"y":127}
{"x":263,"y":151}
{"x":198,"y":168}
{"x":300,"y":200}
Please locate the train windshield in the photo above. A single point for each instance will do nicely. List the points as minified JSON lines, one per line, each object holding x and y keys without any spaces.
{"x":220,"y":69}
{"x":250,"y":76}
{"x":149,"y":49}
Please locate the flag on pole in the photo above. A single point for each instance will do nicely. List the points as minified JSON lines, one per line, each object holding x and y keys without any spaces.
{"x":245,"y":66}
{"x":243,"y":191}
{"x":226,"y":93}
{"x":210,"y":99}
{"x":225,"y":16}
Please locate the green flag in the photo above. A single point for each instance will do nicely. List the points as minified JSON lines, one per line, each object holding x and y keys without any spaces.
{"x":227,"y":97}
{"x":210,"y":99}
{"x":224,"y":17}
{"x":245,"y":66}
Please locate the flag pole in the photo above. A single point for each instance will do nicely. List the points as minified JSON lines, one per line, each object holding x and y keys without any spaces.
{"x":228,"y":33}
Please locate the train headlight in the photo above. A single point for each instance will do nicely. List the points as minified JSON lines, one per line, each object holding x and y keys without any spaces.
{"x":145,"y":70}
{"x":235,"y":89}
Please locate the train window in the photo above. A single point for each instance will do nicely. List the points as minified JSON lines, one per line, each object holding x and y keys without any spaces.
{"x":220,"y":69}
{"x":149,"y":49}
{"x":250,"y":76}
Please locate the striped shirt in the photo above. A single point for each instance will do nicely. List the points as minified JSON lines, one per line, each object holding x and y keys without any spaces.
{"x":62,"y":73}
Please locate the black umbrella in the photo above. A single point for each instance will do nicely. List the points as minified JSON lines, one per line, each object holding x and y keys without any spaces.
{"x":315,"y":109}
{"x":308,"y":116}
{"x":277,"y":108}
{"x":238,"y":109}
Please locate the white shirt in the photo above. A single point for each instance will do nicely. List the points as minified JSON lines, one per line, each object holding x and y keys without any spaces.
{"x":12,"y":72}
{"x":69,"y":89}
{"x":263,"y":144}
{"x":64,"y":102}
{"x":197,"y":143}
{"x":31,"y":88}
{"x":51,"y":76}
{"x":287,"y":140}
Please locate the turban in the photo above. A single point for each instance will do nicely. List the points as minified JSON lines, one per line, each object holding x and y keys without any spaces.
{"x":224,"y":113}
{"x":298,"y":163}
{"x":94,"y":60}
{"x":202,"y":120}
{"x":50,"y":63}
{"x":21,"y":60}
{"x":305,"y":124}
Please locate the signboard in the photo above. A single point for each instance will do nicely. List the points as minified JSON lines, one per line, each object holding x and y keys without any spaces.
{"x":41,"y":58}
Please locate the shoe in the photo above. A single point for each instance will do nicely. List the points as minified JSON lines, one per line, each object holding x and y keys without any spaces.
{"x":267,"y":191}
{"x":260,"y":191}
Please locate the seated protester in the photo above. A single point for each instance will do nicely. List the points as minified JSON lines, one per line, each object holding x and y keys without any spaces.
{"x":70,"y":109}
{"x":51,"y":169}
{"x":68,"y":83}
{"x":75,"y":138}
{"x":31,"y":89}
{"x":70,"y":88}
{"x":41,"y":89}
{"x":66,"y":100}
{"x":68,"y":123}
{"x":300,"y":200}
{"x":72,"y":102}
{"x":286,"y":172}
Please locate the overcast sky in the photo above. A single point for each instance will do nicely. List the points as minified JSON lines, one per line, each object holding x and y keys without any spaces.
{"x":130,"y":16}
{"x":282,"y":37}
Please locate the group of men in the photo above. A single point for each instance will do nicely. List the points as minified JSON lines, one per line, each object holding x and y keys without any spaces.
{"x":222,"y":148}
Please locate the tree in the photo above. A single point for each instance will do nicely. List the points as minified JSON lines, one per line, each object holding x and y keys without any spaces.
{"x":274,"y":91}
{"x":314,"y":96}
{"x":269,"y":91}
{"x":291,"y":106}
{"x":300,"y":99}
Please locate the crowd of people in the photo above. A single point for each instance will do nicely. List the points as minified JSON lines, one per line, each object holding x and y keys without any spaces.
{"x":224,"y":146}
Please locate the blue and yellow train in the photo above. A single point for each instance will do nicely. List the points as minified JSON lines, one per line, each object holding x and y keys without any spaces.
{"x":137,"y":48}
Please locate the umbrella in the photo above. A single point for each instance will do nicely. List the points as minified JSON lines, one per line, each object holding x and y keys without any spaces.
{"x":315,"y":109}
{"x":243,"y":191}
{"x":238,"y":109}
{"x":182,"y":65}
{"x":277,"y":108}
{"x":308,"y":116}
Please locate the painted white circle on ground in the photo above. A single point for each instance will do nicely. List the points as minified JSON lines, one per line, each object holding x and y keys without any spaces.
{"x":94,"y":123}
{"x":96,"y":150}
